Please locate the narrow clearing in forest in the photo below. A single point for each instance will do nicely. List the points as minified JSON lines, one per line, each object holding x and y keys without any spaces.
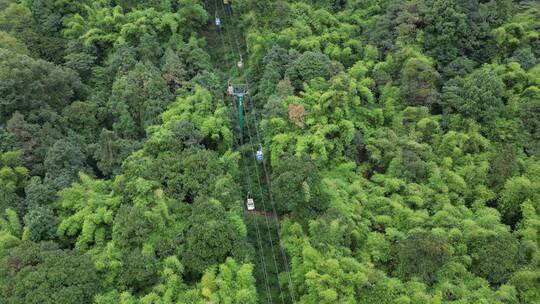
{"x":224,"y":45}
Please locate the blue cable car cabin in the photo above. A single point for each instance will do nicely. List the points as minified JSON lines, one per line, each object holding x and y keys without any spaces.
{"x":259,"y":155}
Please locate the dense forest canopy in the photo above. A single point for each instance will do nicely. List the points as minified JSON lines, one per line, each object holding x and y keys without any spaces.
{"x":391,"y":149}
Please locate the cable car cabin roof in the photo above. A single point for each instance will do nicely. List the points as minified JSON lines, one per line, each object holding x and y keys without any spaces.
{"x":250,"y":204}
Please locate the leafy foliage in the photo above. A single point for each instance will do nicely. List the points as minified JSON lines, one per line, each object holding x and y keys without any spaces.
{"x":52,"y":274}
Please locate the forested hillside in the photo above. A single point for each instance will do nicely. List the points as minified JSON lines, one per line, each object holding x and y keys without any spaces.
{"x":391,"y":149}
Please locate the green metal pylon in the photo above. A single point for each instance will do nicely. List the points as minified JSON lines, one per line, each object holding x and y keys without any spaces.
{"x":241,"y":112}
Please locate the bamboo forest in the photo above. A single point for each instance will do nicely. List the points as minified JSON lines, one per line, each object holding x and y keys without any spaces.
{"x":269,"y":151}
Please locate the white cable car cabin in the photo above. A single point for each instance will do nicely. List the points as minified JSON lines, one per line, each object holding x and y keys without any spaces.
{"x":240,"y":64}
{"x":218,"y":21}
{"x":250,"y":204}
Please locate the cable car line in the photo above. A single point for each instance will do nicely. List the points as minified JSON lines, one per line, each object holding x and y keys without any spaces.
{"x":267,"y":226}
{"x":283,"y":254}
{"x":267,"y":178}
{"x":248,"y":181}
{"x":242,"y":112}
{"x":240,"y":63}
{"x":263,"y":203}
{"x":228,"y":10}
{"x":259,"y":238}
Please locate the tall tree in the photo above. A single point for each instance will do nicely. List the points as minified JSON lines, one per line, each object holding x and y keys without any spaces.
{"x":54,"y":275}
{"x":30,"y":85}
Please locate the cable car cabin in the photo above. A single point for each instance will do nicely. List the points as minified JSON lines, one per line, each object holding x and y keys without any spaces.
{"x":250,"y":204}
{"x":225,"y":2}
{"x":238,"y":90}
{"x":218,"y":21}
{"x":259,"y":156}
{"x":240,"y":64}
